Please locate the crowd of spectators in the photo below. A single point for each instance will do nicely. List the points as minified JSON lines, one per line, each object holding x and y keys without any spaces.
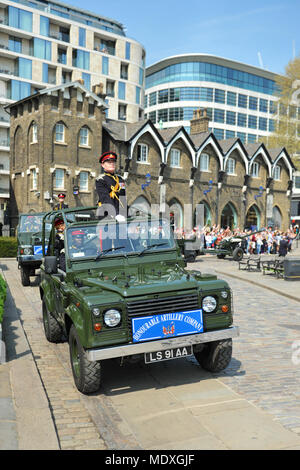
{"x":269,"y":241}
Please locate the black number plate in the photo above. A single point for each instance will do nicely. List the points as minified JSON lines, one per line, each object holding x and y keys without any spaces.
{"x":167,"y":354}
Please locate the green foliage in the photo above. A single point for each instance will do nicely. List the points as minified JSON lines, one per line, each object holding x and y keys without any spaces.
{"x":2,"y":297}
{"x":8,"y":247}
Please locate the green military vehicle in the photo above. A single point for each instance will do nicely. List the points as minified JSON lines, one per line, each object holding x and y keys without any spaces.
{"x":121,"y":291}
{"x":29,"y":236}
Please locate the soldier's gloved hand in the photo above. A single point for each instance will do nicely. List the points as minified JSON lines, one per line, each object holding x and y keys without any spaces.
{"x":120,"y":218}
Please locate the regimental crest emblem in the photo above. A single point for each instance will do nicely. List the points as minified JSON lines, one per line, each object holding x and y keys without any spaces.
{"x":169,"y":330}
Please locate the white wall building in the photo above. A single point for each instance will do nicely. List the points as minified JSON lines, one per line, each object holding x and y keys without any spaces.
{"x":45,"y":43}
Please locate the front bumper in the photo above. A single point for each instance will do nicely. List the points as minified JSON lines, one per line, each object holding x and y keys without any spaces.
{"x":29,"y":260}
{"x":162,"y":344}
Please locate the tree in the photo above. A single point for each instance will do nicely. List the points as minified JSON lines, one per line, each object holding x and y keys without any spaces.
{"x":286,"y":115}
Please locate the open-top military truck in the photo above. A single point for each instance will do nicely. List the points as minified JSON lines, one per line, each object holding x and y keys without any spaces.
{"x":29,"y":236}
{"x":123,"y":292}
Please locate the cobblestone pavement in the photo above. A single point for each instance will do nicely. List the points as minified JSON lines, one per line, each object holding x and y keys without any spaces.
{"x":262,"y":370}
{"x":266,"y":357}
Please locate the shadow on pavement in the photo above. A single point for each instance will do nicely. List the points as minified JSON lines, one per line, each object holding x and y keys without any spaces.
{"x":129,"y":377}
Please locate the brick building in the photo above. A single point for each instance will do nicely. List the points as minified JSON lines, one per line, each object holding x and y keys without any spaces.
{"x":58,"y":133}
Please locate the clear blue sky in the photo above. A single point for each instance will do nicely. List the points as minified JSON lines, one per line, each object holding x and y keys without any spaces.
{"x":232,"y":29}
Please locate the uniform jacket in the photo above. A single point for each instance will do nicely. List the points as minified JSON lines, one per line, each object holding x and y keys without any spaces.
{"x":60,"y":205}
{"x":111,"y":190}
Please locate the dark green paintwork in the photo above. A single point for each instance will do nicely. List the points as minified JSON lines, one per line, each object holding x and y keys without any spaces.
{"x":106,"y":284}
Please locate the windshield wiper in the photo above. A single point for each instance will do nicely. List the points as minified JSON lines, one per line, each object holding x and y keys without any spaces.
{"x":108,"y":250}
{"x":154,"y":245}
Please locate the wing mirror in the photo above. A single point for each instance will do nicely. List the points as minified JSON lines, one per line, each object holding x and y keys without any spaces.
{"x":50,"y":263}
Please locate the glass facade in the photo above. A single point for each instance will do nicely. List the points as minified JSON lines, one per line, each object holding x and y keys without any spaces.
{"x":82,"y":40}
{"x":20,"y":19}
{"x":19,"y":90}
{"x":204,"y":71}
{"x":25,"y":68}
{"x":42,"y":49}
{"x":81,"y":59}
{"x":44,"y":26}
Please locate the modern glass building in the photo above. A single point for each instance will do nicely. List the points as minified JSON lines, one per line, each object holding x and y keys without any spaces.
{"x":45,"y":43}
{"x":239,"y":98}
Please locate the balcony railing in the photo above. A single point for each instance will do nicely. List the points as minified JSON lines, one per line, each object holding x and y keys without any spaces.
{"x":60,"y":36}
{"x":104,"y":49}
{"x":6,"y":71}
{"x":4,"y":143}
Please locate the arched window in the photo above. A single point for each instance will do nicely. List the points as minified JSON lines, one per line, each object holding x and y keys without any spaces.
{"x":34,"y":133}
{"x":253,"y":218}
{"x":277,"y":217}
{"x":202,"y":215}
{"x":140,"y":204}
{"x":229,"y":217}
{"x":176,"y":214}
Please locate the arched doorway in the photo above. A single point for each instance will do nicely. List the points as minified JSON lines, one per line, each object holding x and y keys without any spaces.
{"x":253,"y":218}
{"x":176,"y":214}
{"x":277,"y":217}
{"x":202,"y":215}
{"x":140,"y":204}
{"x":229,"y":217}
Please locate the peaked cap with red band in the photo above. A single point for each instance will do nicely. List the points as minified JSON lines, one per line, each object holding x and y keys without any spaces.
{"x":108,"y":156}
{"x":58,"y":222}
{"x":61,"y":196}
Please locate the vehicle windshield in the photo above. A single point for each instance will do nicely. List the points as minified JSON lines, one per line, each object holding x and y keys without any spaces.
{"x":31,"y":223}
{"x":97,"y":241}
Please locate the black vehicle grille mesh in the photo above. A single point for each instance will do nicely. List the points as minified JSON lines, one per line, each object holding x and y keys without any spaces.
{"x":162,"y":305}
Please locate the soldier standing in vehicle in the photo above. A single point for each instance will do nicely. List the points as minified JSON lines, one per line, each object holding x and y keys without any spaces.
{"x":59,"y":244}
{"x":61,"y":204}
{"x":111,"y":187}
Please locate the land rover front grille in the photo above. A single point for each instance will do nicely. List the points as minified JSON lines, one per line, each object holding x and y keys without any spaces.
{"x":146,"y":307}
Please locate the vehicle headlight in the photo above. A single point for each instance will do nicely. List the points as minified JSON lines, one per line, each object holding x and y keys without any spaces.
{"x":96,"y":311}
{"x":224,"y":294}
{"x":209,"y":304}
{"x":112,"y":317}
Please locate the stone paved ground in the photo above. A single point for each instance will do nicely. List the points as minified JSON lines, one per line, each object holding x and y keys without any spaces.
{"x":262,"y":370}
{"x":265,"y":367}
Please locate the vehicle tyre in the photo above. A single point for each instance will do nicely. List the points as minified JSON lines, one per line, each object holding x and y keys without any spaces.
{"x":87,"y":374}
{"x":216,"y":355}
{"x":53,"y":330}
{"x":25,"y":279}
{"x":238,"y":254}
{"x":221,"y":256}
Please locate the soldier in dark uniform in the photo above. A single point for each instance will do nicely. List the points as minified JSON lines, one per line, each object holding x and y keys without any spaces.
{"x":60,"y":204}
{"x":111,"y":187}
{"x":59,"y":243}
